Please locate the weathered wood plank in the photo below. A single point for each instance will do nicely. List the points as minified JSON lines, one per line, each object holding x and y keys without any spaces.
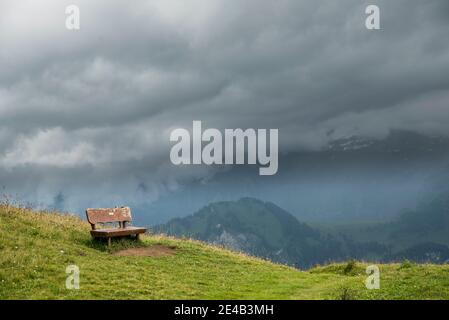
{"x":105,"y":215}
{"x":118,"y":232}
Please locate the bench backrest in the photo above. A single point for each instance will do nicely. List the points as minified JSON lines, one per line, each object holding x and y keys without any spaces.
{"x":107,"y":215}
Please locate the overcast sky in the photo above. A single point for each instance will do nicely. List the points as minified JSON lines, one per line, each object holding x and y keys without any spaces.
{"x":88,"y":113}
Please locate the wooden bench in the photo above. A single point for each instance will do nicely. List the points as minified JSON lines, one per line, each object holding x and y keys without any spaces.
{"x":112,"y":215}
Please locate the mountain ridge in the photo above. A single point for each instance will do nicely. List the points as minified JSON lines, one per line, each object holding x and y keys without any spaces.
{"x":265,"y":230}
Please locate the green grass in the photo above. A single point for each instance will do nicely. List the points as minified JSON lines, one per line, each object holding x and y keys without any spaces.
{"x":36,"y":248}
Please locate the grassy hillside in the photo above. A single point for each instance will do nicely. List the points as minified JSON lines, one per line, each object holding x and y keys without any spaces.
{"x":35,"y":249}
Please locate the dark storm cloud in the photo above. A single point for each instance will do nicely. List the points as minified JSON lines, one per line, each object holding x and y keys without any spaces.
{"x":98,"y":104}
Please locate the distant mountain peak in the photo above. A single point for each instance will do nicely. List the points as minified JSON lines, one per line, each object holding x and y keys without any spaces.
{"x":255,"y":227}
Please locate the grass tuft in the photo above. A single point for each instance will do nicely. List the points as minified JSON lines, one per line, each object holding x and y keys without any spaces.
{"x":406,"y":264}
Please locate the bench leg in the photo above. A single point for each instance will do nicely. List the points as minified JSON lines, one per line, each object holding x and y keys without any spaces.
{"x":109,"y":242}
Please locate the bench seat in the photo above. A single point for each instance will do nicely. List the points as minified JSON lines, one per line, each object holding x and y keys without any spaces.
{"x":102,"y":216}
{"x":117,"y":232}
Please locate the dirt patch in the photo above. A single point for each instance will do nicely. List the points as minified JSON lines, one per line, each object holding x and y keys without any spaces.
{"x":157,"y":250}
